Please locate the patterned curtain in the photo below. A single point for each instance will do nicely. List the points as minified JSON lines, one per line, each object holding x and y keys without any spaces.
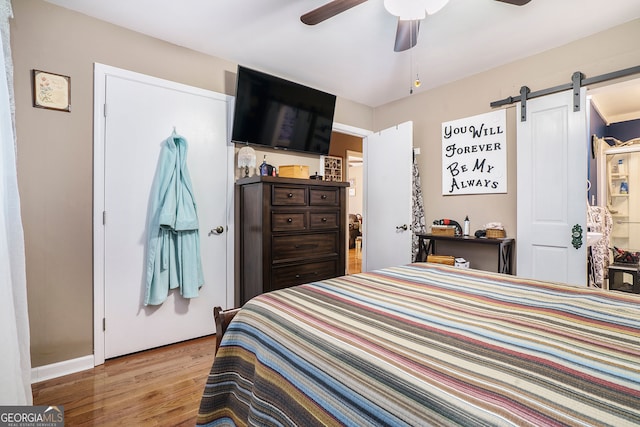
{"x":418,"y":224}
{"x":599,"y":219}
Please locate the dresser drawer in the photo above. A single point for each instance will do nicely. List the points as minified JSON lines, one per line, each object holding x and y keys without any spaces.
{"x":324,"y":197}
{"x":288,"y":221}
{"x":289,"y":196}
{"x":282,"y":277}
{"x":323,"y":220}
{"x":304,"y":246}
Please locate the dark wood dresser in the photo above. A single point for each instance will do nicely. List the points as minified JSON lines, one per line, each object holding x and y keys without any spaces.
{"x":288,"y":231}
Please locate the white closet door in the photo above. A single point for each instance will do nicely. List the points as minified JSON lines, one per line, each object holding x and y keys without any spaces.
{"x":552,"y":190}
{"x":387,"y":212}
{"x":141,"y":113}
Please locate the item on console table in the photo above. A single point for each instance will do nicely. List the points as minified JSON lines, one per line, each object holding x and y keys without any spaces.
{"x":443,"y":230}
{"x":495,"y":233}
{"x":441,"y":259}
{"x":448,"y":222}
{"x":480,"y":233}
{"x":495,"y":230}
{"x":461,"y":263}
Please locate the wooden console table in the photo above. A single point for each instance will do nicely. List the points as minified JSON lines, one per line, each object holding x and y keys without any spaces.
{"x":505,"y":247}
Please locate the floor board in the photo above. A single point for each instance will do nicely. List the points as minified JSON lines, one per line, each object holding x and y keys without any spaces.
{"x":355,"y":261}
{"x":159,"y":387}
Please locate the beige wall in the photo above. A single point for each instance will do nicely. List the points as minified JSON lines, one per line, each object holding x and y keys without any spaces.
{"x":55,"y":155}
{"x":55,"y":148}
{"x":602,"y":53}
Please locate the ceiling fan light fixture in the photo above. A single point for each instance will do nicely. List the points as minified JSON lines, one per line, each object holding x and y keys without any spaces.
{"x":413,"y":9}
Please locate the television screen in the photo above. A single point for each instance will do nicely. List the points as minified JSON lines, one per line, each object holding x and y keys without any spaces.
{"x":273,"y":112}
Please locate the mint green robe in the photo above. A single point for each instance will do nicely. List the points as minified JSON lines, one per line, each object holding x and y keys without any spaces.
{"x":173,"y":249}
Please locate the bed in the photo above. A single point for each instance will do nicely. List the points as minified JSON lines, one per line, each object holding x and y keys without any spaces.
{"x":428,"y":344}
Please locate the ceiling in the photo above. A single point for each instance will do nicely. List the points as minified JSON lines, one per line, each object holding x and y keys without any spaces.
{"x":351,"y":55}
{"x":618,"y":102}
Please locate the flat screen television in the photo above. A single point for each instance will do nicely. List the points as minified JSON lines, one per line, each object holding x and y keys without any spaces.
{"x":277,"y":113}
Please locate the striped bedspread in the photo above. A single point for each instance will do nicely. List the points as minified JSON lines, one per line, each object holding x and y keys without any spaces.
{"x":428,"y":344}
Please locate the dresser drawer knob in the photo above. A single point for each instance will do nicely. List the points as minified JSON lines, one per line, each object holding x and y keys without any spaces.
{"x":289,"y":220}
{"x":324,"y":219}
{"x":323,"y":197}
{"x":290,"y":195}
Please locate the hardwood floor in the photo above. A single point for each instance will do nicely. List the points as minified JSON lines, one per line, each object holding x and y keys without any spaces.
{"x":355,"y":262}
{"x":159,"y":387}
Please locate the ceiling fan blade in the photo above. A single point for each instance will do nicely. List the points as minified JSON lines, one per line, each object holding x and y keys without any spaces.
{"x":328,"y":10}
{"x":406,"y":34}
{"x":516,"y":2}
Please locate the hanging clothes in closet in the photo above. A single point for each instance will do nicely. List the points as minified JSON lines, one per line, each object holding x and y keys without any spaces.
{"x":173,"y":249}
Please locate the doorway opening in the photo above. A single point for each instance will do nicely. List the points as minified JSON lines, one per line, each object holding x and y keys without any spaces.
{"x":354,"y":208}
{"x":349,"y":147}
{"x":615,"y":171}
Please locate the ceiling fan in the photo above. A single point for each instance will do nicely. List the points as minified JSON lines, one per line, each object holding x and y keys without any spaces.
{"x":409,"y":13}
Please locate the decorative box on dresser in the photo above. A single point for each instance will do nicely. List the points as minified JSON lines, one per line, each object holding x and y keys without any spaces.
{"x":288,"y":231}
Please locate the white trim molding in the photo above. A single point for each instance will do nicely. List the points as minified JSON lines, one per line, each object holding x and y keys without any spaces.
{"x":59,"y":369}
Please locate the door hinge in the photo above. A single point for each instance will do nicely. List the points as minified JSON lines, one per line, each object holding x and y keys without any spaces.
{"x":104,"y":324}
{"x":104,"y":109}
{"x":104,"y":217}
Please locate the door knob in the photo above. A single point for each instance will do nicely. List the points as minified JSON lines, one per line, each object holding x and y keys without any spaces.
{"x":218,"y":230}
{"x":402,"y":227}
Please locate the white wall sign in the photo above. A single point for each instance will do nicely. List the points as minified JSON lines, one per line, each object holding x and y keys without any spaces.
{"x":474,"y":155}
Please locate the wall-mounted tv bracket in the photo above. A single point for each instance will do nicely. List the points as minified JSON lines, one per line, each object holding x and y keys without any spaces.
{"x":577,"y":81}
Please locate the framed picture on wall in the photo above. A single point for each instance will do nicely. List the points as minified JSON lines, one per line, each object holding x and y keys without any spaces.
{"x":51,"y":91}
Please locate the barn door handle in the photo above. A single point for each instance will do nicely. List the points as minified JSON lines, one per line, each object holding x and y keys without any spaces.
{"x":576,"y":236}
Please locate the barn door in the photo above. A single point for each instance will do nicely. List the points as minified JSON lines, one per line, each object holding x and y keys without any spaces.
{"x":140,"y":113}
{"x":552,"y":190}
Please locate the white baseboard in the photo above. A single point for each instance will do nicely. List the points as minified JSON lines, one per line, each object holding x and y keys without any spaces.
{"x":59,"y":369}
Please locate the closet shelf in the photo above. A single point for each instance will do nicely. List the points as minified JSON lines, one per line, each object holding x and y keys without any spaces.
{"x":619,"y":176}
{"x":619,"y":236}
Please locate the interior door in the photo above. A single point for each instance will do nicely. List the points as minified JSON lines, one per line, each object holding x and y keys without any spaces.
{"x":552,"y":190}
{"x":141,"y":112}
{"x":387,"y":213}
